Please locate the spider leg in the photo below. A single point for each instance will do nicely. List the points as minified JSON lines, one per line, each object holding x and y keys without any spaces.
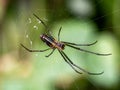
{"x":69,"y":63}
{"x":80,"y":67}
{"x":59,"y":33}
{"x":34,"y":50}
{"x":88,"y":51}
{"x":50,"y":53}
{"x":80,"y":44}
{"x":40,"y":20}
{"x":42,"y":23}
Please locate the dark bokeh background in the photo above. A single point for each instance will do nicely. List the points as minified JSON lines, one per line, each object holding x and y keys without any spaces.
{"x":82,"y":21}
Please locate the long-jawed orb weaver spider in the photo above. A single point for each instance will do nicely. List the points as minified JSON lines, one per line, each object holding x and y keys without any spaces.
{"x":60,"y":45}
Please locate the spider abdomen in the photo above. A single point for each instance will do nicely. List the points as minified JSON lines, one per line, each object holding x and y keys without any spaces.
{"x":51,"y":42}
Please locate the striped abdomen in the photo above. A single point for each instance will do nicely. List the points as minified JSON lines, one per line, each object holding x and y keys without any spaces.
{"x":51,"y":42}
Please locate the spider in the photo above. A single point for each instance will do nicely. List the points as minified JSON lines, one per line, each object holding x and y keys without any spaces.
{"x":60,"y":46}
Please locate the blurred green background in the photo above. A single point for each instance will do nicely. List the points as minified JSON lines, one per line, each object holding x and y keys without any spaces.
{"x":82,"y":21}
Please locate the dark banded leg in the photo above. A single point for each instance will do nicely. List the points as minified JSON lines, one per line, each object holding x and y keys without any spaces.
{"x":88,"y":51}
{"x":50,"y":53}
{"x":69,"y":63}
{"x":80,"y":67}
{"x":59,"y":33}
{"x":80,"y":44}
{"x":30,"y":50}
{"x":42,"y":23}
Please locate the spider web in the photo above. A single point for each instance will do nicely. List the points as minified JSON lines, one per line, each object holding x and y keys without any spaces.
{"x":32,"y":26}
